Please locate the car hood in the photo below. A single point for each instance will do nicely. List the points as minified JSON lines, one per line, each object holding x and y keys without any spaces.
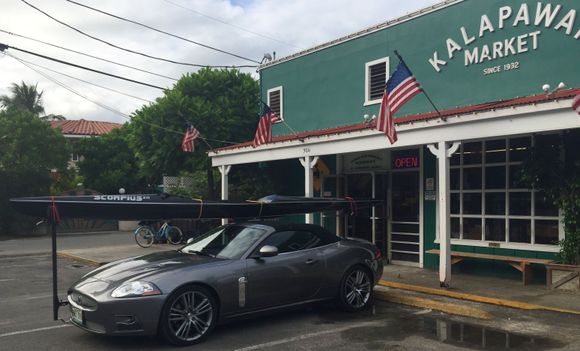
{"x":145,"y":266}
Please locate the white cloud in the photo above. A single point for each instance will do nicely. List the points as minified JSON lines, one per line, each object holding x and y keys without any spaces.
{"x":302,"y":23}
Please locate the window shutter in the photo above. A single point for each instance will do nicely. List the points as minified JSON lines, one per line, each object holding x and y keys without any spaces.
{"x":275,"y":104}
{"x":377,"y":78}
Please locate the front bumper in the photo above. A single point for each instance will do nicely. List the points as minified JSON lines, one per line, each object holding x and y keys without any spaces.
{"x":120,"y":316}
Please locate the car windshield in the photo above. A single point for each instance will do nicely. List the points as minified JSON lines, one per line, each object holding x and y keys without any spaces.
{"x":229,"y":242}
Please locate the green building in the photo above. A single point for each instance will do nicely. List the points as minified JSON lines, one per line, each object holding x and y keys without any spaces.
{"x":486,"y":66}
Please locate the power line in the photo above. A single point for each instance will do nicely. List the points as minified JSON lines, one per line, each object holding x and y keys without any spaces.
{"x":88,"y":55}
{"x":124,"y":115}
{"x":56,"y":81}
{"x":161,"y":31}
{"x":52,"y":79}
{"x":84,"y":81}
{"x":4,"y":46}
{"x":129,"y":50}
{"x":230,"y":24}
{"x":133,"y":51}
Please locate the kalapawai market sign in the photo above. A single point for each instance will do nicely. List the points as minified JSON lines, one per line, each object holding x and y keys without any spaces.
{"x":542,"y":15}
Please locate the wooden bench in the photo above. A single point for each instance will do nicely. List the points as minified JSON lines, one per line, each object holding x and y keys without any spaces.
{"x":522,"y":264}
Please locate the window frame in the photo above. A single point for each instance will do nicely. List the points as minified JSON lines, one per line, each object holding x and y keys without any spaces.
{"x":532,"y":217}
{"x":368,"y":66}
{"x":281,"y":90}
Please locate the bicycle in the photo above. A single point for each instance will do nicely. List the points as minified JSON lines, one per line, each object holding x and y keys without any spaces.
{"x":145,"y":236}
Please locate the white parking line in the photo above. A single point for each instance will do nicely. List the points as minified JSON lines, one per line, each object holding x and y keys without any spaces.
{"x":34,"y":330}
{"x":311,"y":335}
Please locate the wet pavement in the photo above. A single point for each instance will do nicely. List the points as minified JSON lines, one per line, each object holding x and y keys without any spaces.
{"x":445,"y":331}
{"x":26,"y":322}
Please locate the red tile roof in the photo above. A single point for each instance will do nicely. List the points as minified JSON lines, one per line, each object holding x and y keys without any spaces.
{"x":527,"y":100}
{"x":84,"y":127}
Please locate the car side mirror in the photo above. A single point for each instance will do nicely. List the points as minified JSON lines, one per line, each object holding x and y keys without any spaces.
{"x":268,"y":251}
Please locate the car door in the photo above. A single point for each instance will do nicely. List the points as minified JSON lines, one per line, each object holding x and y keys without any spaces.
{"x":293,"y":275}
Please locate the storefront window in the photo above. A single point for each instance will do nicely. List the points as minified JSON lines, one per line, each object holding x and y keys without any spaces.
{"x":472,"y":178}
{"x":494,"y":229}
{"x":455,"y":231}
{"x":520,"y":231}
{"x":495,"y":203}
{"x":490,"y":203}
{"x":472,"y":153}
{"x":546,"y":232}
{"x":472,"y":203}
{"x":472,"y":228}
{"x":520,"y":204}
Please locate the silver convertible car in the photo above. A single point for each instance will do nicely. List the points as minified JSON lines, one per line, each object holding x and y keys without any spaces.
{"x":232,"y":271}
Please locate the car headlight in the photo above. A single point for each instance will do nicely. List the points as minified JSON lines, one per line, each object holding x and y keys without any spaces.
{"x":132,"y":289}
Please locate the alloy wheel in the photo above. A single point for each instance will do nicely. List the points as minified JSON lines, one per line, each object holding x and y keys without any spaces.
{"x":357,"y":289}
{"x":190,"y":316}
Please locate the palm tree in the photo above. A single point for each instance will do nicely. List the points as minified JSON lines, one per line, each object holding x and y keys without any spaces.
{"x":24,"y":96}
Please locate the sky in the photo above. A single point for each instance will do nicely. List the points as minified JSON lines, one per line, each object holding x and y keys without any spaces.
{"x":246,"y":28}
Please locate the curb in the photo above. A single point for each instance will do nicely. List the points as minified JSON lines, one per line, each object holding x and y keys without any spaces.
{"x":83,"y":260}
{"x":24,"y":254}
{"x":449,"y":308}
{"x":474,"y":298}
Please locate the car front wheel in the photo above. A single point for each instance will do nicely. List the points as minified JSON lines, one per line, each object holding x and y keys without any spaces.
{"x":356,"y":289}
{"x":188,"y":316}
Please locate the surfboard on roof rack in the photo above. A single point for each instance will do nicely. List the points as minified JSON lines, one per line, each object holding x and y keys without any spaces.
{"x":163,"y":206}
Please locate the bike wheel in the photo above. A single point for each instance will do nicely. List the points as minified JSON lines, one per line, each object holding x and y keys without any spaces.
{"x":144,"y":236}
{"x":174,"y":235}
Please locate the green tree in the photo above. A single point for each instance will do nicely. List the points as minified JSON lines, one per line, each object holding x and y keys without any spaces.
{"x":29,"y":151}
{"x":25,"y":97}
{"x":554,"y":168}
{"x":221,"y":104}
{"x":109,"y":163}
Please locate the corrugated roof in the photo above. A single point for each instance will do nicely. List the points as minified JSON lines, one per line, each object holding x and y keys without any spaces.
{"x":527,"y":100}
{"x":84,"y":127}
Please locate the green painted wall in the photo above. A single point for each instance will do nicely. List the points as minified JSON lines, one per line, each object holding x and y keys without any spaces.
{"x":326,"y":88}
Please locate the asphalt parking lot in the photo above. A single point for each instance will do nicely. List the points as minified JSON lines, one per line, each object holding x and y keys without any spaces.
{"x":26,"y":323}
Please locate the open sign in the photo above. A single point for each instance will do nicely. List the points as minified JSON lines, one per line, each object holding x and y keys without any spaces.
{"x":405,"y":159}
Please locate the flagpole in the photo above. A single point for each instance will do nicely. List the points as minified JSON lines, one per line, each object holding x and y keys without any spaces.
{"x":206,"y":143}
{"x":423,"y":90}
{"x":282,"y":120}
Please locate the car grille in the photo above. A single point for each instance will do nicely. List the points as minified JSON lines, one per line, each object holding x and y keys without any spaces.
{"x":82,"y":301}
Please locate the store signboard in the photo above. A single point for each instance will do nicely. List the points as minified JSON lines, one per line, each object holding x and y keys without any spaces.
{"x":498,"y":38}
{"x":365,"y":162}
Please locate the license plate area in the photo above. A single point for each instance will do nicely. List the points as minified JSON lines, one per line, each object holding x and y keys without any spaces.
{"x":76,"y":314}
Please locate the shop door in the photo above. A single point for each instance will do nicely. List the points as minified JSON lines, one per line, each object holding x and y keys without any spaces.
{"x":405,"y":223}
{"x":328,"y":219}
{"x":359,"y":225}
{"x":380,"y":212}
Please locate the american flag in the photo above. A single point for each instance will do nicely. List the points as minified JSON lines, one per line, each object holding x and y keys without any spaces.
{"x":264,"y":131}
{"x":576,"y":104}
{"x":190,"y":135}
{"x":400,"y":88}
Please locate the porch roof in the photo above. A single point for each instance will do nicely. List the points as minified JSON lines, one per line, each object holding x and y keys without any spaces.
{"x":455,"y":112}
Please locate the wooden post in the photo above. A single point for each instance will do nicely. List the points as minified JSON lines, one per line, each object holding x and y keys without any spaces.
{"x":443,"y":153}
{"x":225,"y":170}
{"x":308,"y":163}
